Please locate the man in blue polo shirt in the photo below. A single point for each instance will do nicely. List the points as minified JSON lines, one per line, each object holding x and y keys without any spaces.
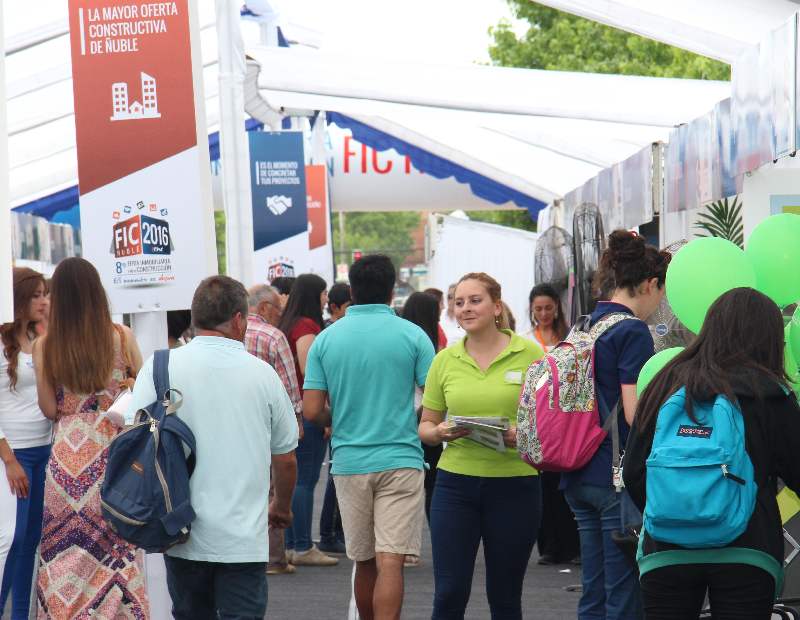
{"x":367,"y":364}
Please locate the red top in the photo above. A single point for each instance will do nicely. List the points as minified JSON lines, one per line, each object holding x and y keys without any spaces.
{"x":302,"y":327}
{"x":442,"y":337}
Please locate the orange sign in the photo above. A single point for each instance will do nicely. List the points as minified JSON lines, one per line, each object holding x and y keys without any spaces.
{"x":133,"y":86}
{"x":317,"y":203}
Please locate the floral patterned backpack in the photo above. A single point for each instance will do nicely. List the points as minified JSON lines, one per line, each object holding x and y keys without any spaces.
{"x":558,"y":420}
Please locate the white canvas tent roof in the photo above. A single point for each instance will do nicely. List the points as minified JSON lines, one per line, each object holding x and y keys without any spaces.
{"x":720,"y":29}
{"x":542,"y":133}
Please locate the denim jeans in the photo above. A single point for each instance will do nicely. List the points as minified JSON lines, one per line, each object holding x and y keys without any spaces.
{"x":18,"y":574}
{"x":330,"y":519}
{"x":216,"y":591}
{"x":310,"y":453}
{"x":610,"y":583}
{"x":504,"y":513}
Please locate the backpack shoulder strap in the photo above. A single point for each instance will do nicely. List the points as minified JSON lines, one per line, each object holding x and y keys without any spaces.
{"x":609,"y":321}
{"x":161,"y":373}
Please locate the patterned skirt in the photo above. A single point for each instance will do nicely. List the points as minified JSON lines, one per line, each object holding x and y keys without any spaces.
{"x":85,"y":570}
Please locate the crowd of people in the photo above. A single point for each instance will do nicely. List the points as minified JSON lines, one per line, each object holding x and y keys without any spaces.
{"x":277,"y":378}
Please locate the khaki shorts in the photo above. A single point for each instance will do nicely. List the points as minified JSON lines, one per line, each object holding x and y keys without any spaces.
{"x":382,"y":512}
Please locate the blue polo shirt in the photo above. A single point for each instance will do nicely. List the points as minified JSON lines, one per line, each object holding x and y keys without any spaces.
{"x":369,"y":362}
{"x":619,"y":355}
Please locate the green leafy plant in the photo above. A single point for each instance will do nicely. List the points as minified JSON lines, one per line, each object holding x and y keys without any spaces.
{"x":722,"y":219}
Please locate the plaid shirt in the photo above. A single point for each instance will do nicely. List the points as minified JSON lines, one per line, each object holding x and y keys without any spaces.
{"x":269,"y":344}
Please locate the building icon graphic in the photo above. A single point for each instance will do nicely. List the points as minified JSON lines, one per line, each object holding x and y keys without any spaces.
{"x":148,"y":108}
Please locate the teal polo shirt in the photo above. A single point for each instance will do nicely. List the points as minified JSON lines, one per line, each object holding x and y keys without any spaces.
{"x":369,"y":362}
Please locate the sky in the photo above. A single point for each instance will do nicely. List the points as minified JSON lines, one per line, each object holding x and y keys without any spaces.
{"x":440,"y":31}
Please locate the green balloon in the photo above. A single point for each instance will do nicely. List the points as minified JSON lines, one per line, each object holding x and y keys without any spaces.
{"x":653,"y":366}
{"x":703,"y":270}
{"x":774,"y":250}
{"x":793,"y":339}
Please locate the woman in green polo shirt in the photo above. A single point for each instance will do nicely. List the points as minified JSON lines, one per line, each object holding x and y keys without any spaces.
{"x":481,"y":493}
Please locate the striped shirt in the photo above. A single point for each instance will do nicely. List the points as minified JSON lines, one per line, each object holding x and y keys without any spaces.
{"x":269,"y":344}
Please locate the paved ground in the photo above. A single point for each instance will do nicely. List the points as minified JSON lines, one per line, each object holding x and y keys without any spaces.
{"x":324,"y":593}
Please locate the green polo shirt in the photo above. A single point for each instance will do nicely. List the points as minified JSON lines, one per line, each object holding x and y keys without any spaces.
{"x":457,"y":385}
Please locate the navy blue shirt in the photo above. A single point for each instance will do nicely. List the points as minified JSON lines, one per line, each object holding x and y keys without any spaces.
{"x":619,"y":355}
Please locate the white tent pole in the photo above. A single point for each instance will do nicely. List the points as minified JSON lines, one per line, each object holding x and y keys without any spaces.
{"x":234,"y":151}
{"x":6,"y":299}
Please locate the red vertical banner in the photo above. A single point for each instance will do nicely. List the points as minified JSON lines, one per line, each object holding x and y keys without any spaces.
{"x":317,"y":205}
{"x":143,"y":196}
{"x":319,"y":222}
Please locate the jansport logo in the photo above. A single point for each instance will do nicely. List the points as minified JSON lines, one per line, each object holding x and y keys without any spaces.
{"x":700,"y":432}
{"x":279,"y":204}
{"x":142,"y":234}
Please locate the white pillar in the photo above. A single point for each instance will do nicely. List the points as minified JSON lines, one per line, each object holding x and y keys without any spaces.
{"x":150,"y":329}
{"x":6,"y":297}
{"x":234,"y":150}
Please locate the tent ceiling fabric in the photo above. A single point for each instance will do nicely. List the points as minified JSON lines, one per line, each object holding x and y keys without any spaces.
{"x":564,"y":130}
{"x":720,"y":29}
{"x":540,"y":133}
{"x":625,"y":99}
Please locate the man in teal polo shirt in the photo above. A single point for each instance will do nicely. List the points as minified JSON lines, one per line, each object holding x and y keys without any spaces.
{"x":367,"y":364}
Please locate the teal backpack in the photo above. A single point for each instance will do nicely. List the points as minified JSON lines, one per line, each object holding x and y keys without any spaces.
{"x":700,"y":481}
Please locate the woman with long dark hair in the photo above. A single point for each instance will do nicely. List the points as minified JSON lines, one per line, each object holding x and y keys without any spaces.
{"x":302,"y":322}
{"x":745,"y":365}
{"x":24,"y":442}
{"x":610,"y":586}
{"x":82,"y":364}
{"x":422,"y":309}
{"x":548,"y":320}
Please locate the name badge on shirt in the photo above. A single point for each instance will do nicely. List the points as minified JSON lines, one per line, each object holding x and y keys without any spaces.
{"x":514,"y":376}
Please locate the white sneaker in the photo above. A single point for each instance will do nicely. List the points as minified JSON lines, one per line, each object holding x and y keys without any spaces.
{"x":312,"y":557}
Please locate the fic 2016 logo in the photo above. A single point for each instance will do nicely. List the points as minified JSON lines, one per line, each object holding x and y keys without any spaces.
{"x":142,"y":234}
{"x":280,"y":269}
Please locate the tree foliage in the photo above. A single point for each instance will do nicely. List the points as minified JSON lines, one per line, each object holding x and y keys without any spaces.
{"x":376,"y":232}
{"x":514,"y":218}
{"x":559,"y":41}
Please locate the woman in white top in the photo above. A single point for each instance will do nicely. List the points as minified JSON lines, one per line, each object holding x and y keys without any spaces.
{"x":24,"y":445}
{"x":548,"y":323}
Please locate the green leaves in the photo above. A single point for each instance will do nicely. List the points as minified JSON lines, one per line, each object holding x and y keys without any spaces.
{"x":722,"y":219}
{"x":560,"y":41}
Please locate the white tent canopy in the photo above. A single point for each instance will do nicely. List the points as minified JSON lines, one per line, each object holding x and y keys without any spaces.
{"x":720,"y":29}
{"x":541,"y":133}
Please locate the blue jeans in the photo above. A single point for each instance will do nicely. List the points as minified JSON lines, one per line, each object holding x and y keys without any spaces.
{"x":505,"y":513}
{"x":330,"y":519}
{"x":310,"y":453}
{"x":216,"y":591}
{"x":18,"y":573}
{"x":610,"y":583}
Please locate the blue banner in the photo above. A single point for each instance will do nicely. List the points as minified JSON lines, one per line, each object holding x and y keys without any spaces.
{"x":278,"y":183}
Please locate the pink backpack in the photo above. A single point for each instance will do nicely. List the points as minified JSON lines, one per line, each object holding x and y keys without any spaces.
{"x":558,"y":422}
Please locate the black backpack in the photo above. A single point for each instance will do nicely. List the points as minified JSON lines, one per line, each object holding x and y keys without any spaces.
{"x":145,"y":493}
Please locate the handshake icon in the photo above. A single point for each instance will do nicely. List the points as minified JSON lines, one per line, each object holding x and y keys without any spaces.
{"x":279,"y":204}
